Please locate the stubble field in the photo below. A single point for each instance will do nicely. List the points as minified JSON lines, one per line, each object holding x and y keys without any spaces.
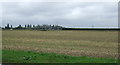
{"x":74,"y":43}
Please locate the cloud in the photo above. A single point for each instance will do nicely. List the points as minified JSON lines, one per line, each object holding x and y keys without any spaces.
{"x":69,"y":14}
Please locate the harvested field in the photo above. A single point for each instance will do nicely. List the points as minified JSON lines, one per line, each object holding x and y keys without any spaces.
{"x":75,"y":43}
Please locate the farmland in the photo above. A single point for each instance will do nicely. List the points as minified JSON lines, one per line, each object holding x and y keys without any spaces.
{"x":97,"y":44}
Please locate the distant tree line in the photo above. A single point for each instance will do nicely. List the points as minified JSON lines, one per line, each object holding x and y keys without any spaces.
{"x":34,"y":27}
{"x":48,"y":27}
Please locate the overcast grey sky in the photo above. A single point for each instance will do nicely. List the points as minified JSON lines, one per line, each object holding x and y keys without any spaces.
{"x":68,"y":14}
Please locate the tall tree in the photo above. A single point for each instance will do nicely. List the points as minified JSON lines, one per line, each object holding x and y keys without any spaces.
{"x":25,"y":26}
{"x":7,"y":27}
{"x":33,"y":26}
{"x":28,"y":26}
{"x":11,"y":27}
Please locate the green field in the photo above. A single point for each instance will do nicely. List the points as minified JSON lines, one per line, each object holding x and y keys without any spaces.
{"x":11,"y":56}
{"x":76,"y":44}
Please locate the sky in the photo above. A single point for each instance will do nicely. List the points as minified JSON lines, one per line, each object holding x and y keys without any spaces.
{"x":66,"y":14}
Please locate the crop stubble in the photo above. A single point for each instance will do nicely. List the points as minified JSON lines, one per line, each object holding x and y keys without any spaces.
{"x":75,"y":43}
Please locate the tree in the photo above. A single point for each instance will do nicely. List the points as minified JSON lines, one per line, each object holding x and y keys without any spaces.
{"x":19,"y":27}
{"x":28,"y":26}
{"x":33,"y":26}
{"x":7,"y":27}
{"x":11,"y":27}
{"x":25,"y":26}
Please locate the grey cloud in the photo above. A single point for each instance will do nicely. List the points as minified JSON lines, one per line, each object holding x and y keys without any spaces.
{"x":63,"y":13}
